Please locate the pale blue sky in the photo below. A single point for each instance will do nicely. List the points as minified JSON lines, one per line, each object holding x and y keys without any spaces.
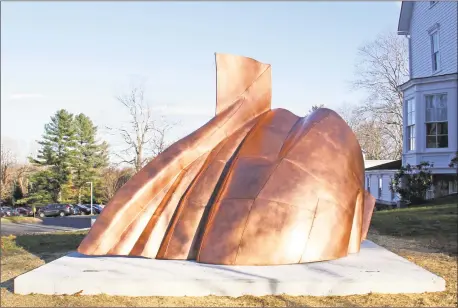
{"x":79,"y":55}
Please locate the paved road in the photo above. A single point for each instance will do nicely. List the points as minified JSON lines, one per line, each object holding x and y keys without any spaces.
{"x":78,"y":222}
{"x":28,"y":228}
{"x":47,"y":224}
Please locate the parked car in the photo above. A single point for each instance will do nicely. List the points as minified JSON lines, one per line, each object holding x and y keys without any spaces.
{"x":75,"y":210}
{"x":83,"y":209}
{"x":55,"y":210}
{"x":9,"y":211}
{"x":96,"y":208}
{"x":25,"y":211}
{"x":6,"y":211}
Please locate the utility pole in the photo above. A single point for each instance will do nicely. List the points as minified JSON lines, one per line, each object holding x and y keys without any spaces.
{"x":91,"y":196}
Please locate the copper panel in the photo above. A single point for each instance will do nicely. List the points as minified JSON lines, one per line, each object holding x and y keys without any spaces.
{"x":179,"y":243}
{"x":267,"y":137}
{"x":222,"y":239}
{"x":182,"y":242}
{"x":356,"y":229}
{"x":251,"y":186}
{"x":163,"y":214}
{"x":235,"y":74}
{"x":247,"y":185}
{"x":369,"y":205}
{"x":260,"y":246}
{"x":132,"y":234}
{"x":325,"y":243}
{"x":291,"y":185}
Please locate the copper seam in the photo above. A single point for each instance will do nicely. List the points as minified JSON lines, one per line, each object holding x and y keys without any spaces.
{"x":243,"y":101}
{"x":179,"y":209}
{"x":304,"y":133}
{"x":217,"y":200}
{"x":273,"y":201}
{"x":208,"y":207}
{"x":267,"y":180}
{"x":310,"y":230}
{"x":124,"y":209}
{"x":124,"y":234}
{"x":244,"y":91}
{"x":153,"y":220}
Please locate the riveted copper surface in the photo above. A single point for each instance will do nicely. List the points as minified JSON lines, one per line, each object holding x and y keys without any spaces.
{"x":253,"y":186}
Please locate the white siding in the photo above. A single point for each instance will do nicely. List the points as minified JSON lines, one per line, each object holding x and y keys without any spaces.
{"x":387,"y":176}
{"x":439,"y":157}
{"x":386,"y":192}
{"x":423,"y":18}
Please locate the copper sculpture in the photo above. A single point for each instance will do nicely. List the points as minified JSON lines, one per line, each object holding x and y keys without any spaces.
{"x":253,"y":186}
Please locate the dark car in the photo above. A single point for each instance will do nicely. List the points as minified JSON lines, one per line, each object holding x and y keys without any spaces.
{"x":9,"y":211}
{"x":96,"y":208}
{"x":75,"y":210}
{"x":83,"y":209}
{"x":56,"y":210}
{"x":25,"y":211}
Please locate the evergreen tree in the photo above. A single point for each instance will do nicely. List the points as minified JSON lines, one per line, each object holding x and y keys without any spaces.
{"x":90,"y":156}
{"x":56,"y":154}
{"x":42,"y":188}
{"x":17,"y":192}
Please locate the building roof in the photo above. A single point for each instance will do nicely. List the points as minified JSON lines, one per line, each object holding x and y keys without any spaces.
{"x":372,"y":163}
{"x":428,"y":79}
{"x":405,"y":17}
{"x":390,"y":165}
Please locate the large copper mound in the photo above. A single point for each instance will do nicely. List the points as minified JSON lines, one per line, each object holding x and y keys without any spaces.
{"x":253,"y":186}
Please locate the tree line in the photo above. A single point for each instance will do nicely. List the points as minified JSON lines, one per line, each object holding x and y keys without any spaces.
{"x":71,"y":156}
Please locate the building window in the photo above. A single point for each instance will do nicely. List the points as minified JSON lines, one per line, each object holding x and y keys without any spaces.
{"x":429,"y":193}
{"x":380,"y":186}
{"x":368,"y":183}
{"x":435,"y":50}
{"x":392,"y":189}
{"x":410,"y":124}
{"x":436,"y":121}
{"x":453,"y":187}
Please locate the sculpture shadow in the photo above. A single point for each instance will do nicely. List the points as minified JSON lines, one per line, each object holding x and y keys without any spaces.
{"x":51,"y":246}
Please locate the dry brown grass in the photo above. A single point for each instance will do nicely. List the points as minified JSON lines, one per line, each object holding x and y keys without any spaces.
{"x":430,"y":249}
{"x":19,"y":219}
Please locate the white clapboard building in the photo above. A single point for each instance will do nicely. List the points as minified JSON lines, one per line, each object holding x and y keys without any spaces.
{"x":430,"y":95}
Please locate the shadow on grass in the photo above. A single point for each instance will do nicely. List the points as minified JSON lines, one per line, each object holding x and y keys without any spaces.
{"x":49,"y":247}
{"x":8,"y":285}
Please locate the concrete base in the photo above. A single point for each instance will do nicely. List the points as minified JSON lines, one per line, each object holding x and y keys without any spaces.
{"x":374,"y":269}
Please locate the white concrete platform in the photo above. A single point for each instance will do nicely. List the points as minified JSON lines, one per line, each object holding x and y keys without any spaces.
{"x":374,"y":269}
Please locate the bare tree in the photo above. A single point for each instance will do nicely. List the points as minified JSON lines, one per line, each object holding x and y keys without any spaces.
{"x":367,"y":131}
{"x":159,"y":143}
{"x":22,"y":176}
{"x":143,"y":136}
{"x":114,"y":179}
{"x":381,"y":68}
{"x":7,"y":163}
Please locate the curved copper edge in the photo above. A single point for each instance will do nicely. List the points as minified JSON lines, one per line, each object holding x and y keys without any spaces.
{"x":253,"y":186}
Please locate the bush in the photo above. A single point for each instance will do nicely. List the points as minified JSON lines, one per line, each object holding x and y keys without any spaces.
{"x":411,"y":182}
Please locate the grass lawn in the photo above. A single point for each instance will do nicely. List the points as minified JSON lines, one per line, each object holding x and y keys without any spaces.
{"x":425,"y":235}
{"x":19,"y":219}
